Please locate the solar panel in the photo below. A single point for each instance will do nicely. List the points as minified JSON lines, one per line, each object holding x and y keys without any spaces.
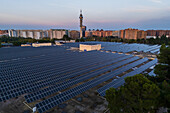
{"x":92,"y":83}
{"x":41,"y":72}
{"x":152,"y":73}
{"x":27,"y":81}
{"x":120,"y":81}
{"x":66,"y":84}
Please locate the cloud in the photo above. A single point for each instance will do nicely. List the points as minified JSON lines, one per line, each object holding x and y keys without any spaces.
{"x":156,"y":1}
{"x":140,"y":10}
{"x":70,"y":6}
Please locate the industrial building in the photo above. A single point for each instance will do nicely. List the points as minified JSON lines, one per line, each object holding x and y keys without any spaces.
{"x":89,"y":47}
{"x":41,"y":44}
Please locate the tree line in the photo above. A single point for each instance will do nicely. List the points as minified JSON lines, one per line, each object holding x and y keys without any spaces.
{"x":159,"y":40}
{"x":17,"y":41}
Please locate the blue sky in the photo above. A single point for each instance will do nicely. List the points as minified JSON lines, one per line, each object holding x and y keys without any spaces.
{"x":101,"y":14}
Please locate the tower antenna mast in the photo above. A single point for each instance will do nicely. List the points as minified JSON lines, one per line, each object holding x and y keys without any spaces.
{"x":81,"y":24}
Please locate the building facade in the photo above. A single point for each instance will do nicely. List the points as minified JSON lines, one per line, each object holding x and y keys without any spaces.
{"x":3,"y":32}
{"x":141,"y":34}
{"x":158,"y":33}
{"x":57,"y":33}
{"x":74,"y":34}
{"x":39,"y":34}
{"x":132,"y":34}
{"x":101,"y":33}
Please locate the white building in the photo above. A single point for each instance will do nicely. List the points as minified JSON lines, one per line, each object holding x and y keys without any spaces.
{"x":45,"y":33}
{"x":24,"y":34}
{"x":41,"y":44}
{"x":60,"y":34}
{"x":12,"y":33}
{"x":25,"y":45}
{"x":57,"y":33}
{"x":86,"y":47}
{"x":30,"y":34}
{"x":37,"y":35}
{"x":148,"y":37}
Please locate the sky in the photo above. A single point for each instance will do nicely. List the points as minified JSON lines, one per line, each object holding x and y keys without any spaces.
{"x":98,"y":14}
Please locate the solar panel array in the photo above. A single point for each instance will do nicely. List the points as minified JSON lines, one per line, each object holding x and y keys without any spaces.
{"x":56,"y":74}
{"x":120,"y":47}
{"x":18,"y":78}
{"x":120,"y":81}
{"x":68,"y":94}
{"x":55,"y":88}
{"x":152,"y":73}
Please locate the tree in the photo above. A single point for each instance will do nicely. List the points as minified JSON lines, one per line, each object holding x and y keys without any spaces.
{"x":53,"y":41}
{"x":131,"y":41}
{"x":138,"y":95}
{"x":82,"y":40}
{"x":65,"y":37}
{"x":77,"y":40}
{"x":164,"y":99}
{"x":16,"y":43}
{"x":164,"y":56}
{"x":163,"y":69}
{"x":0,"y":43}
{"x":162,"y":78}
{"x":104,"y":39}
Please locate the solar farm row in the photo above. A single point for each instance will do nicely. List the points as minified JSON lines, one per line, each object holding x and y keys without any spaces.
{"x":120,"y":47}
{"x":126,"y":48}
{"x":152,"y":48}
{"x":69,"y":66}
{"x":22,"y":52}
{"x":68,"y":94}
{"x":41,"y":57}
{"x":30,"y":80}
{"x":17,"y":80}
{"x":46,"y":62}
{"x":120,"y":81}
{"x":152,"y":73}
{"x":66,"y":84}
{"x":57,"y":75}
{"x":156,"y":50}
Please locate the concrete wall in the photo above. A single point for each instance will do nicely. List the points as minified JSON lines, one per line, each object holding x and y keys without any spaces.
{"x":41,"y":44}
{"x":25,"y":45}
